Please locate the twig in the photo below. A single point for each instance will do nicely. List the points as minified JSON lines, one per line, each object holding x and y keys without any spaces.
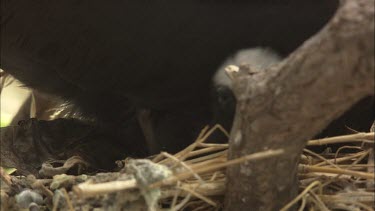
{"x":183,"y":165}
{"x":320,"y":157}
{"x":304,"y":168}
{"x":342,"y":159}
{"x":84,"y":190}
{"x":185,"y":175}
{"x":359,"y":137}
{"x":302,"y":194}
{"x":200,"y":196}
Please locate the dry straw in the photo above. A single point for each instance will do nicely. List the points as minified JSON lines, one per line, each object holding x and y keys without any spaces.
{"x":329,"y":180}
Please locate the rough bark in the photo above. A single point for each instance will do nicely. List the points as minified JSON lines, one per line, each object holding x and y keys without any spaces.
{"x":284,"y":106}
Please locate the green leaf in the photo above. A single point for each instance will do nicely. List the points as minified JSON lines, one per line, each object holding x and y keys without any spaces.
{"x":10,"y":170}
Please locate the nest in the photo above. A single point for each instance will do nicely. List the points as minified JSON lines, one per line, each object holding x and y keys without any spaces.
{"x":194,"y":179}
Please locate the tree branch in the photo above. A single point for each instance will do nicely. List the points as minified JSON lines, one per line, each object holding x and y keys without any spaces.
{"x":284,"y":106}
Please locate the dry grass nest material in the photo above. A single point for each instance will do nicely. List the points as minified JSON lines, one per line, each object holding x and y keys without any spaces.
{"x":194,"y":178}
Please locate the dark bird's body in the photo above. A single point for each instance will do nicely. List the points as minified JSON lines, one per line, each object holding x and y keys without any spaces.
{"x":110,"y":57}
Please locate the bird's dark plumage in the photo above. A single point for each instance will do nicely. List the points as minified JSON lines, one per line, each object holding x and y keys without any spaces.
{"x":110,"y":57}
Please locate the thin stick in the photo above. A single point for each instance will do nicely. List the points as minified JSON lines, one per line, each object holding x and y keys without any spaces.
{"x":318,"y":201}
{"x":68,"y":201}
{"x":204,"y":151}
{"x":339,"y":160}
{"x":304,"y":192}
{"x":320,"y":157}
{"x":221,"y":155}
{"x":182,"y":203}
{"x":176,"y":194}
{"x":183,"y":165}
{"x":86,"y":189}
{"x":305,"y":168}
{"x":185,"y":175}
{"x":359,"y":137}
{"x":200,"y":196}
{"x":189,"y":148}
